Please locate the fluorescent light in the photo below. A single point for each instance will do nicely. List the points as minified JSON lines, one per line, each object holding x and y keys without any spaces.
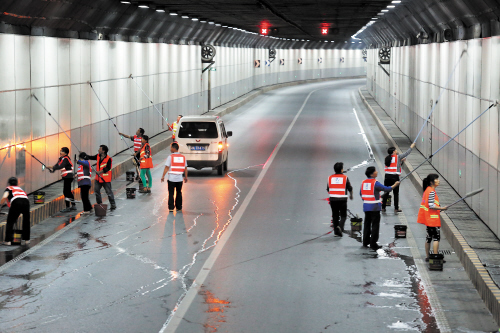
{"x":224,"y":26}
{"x":161,"y":10}
{"x":380,"y":14}
{"x":211,"y":23}
{"x":125,"y":2}
{"x":384,"y":10}
{"x":143,"y":6}
{"x":203,"y":21}
{"x":173,"y":14}
{"x":396,"y":1}
{"x":185,"y":16}
{"x":194,"y":19}
{"x":390,"y":6}
{"x":360,"y":42}
{"x":216,"y":24}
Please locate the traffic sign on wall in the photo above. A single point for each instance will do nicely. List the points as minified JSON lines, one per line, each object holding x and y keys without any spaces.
{"x":268,"y":63}
{"x":320,"y":60}
{"x":282,"y":62}
{"x":256,"y":63}
{"x":299,"y":61}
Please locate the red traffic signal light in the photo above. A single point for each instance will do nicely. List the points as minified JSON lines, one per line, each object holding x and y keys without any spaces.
{"x":324,"y":31}
{"x":264,"y":31}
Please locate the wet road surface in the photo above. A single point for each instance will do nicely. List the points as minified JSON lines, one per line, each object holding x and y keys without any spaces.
{"x":281,"y":270}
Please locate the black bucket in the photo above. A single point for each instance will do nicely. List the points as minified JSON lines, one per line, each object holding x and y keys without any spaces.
{"x":38,"y":197}
{"x":400,"y":231}
{"x":100,"y":209}
{"x":436,"y":262}
{"x":141,"y":185}
{"x":131,"y":192}
{"x":356,"y":223}
{"x":130,"y":176}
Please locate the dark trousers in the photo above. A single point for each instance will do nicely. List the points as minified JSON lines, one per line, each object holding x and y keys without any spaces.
{"x":67,"y":191}
{"x":177,"y":186}
{"x":109,"y":192}
{"x":389,"y":181}
{"x":84,"y":193}
{"x":371,"y":228}
{"x":339,"y":211}
{"x":19,"y":206}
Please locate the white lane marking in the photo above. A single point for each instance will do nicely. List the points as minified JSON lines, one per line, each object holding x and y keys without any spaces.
{"x":175,"y":319}
{"x":371,"y":156}
{"x":441,"y":320}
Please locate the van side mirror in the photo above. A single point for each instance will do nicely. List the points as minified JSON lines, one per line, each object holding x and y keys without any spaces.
{"x":229,"y":133}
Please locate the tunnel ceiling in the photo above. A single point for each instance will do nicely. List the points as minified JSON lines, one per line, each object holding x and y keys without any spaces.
{"x":433,"y":21}
{"x":112,"y":19}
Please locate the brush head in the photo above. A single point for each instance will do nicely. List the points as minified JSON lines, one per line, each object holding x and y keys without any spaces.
{"x":470,"y":194}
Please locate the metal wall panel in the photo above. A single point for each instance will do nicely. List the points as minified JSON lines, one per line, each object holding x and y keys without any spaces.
{"x":22,"y":113}
{"x":493,"y":199}
{"x":22,"y":61}
{"x":8,"y":118}
{"x":7,"y":62}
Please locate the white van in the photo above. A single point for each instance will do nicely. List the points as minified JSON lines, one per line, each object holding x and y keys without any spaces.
{"x":203,"y":141}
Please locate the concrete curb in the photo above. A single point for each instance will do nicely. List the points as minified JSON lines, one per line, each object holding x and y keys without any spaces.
{"x":479,"y":276}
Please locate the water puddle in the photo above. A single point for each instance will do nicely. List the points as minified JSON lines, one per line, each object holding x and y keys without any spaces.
{"x":216,"y":311}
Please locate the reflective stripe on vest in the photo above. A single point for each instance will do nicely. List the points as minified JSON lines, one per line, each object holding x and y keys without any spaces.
{"x":177,"y":164}
{"x":426,"y":215}
{"x":146,"y":163}
{"x":81,"y":173}
{"x":137,"y":143}
{"x":17,"y":192}
{"x":103,"y":177}
{"x":368,"y":191}
{"x":65,"y":172}
{"x":337,"y":186}
{"x":392,"y":169}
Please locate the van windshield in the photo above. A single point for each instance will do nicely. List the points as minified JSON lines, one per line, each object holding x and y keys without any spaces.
{"x":198,"y":130}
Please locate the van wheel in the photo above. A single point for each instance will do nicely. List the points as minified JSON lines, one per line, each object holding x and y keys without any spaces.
{"x":220,"y":169}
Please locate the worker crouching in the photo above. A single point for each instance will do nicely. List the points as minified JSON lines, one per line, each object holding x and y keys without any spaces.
{"x":18,"y":203}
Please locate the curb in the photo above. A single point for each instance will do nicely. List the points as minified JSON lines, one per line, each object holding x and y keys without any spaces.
{"x":479,"y":276}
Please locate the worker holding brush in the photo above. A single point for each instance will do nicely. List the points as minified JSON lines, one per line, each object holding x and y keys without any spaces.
{"x":66,"y":166}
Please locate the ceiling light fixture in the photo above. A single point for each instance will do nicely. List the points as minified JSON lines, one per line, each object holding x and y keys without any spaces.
{"x":211,"y":23}
{"x":160,"y":10}
{"x":185,"y":16}
{"x":216,"y":24}
{"x":384,"y":10}
{"x":396,"y":1}
{"x":143,"y":6}
{"x":174,"y":14}
{"x":125,"y":2}
{"x":391,"y":6}
{"x":194,"y":19}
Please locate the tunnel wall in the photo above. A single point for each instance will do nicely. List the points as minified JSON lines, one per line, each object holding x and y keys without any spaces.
{"x":57,"y":71}
{"x":418,"y":75}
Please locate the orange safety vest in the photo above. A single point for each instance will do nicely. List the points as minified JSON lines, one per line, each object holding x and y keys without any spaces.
{"x":426,"y":215}
{"x":17,"y":192}
{"x":81,"y":173}
{"x":177,"y":164}
{"x":101,"y":165}
{"x":368,"y":191}
{"x":146,"y":163}
{"x":337,"y":186}
{"x":137,"y":143}
{"x":392,"y":169}
{"x":65,"y":172}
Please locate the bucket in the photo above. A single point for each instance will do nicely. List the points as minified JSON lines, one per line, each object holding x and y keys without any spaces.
{"x":100,"y":211}
{"x":389,"y":200}
{"x":130,"y":176}
{"x":38,"y":197}
{"x":131,"y":192}
{"x":400,"y":231}
{"x":356,"y":223}
{"x":141,"y":185}
{"x":16,"y":240}
{"x":436,"y":262}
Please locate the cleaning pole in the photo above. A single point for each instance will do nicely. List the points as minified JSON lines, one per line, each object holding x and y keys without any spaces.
{"x":437,"y":151}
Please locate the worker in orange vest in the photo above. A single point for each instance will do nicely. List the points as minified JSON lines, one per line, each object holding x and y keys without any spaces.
{"x":18,"y":203}
{"x":103,"y":175}
{"x":137,"y":138}
{"x":393,"y":163}
{"x":146,"y":164}
{"x":176,"y":167}
{"x":175,"y":127}
{"x":338,"y":188}
{"x":429,"y":213}
{"x":67,"y":173}
{"x":372,"y":204}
